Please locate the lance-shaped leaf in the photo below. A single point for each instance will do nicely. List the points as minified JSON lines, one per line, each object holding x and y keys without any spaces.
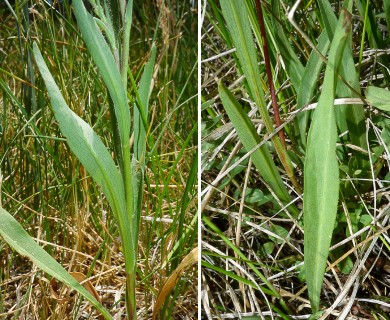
{"x":237,"y":20}
{"x":102,"y":56}
{"x":321,"y":174}
{"x":348,"y":117}
{"x":250,"y":139}
{"x":85,"y":143}
{"x":141,"y":111}
{"x":310,"y":82}
{"x":14,"y":234}
{"x":291,"y":61}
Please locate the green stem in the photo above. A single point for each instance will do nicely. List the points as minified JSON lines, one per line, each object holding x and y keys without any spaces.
{"x":130,"y":237}
{"x":129,"y":229}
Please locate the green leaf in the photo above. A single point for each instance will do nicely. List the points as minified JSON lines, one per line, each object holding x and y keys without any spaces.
{"x":321,"y":173}
{"x":378,"y":97}
{"x":346,"y":265}
{"x":102,"y":56}
{"x":246,"y":131}
{"x":291,"y":61}
{"x":14,"y":234}
{"x":141,"y":110}
{"x":255,"y":196}
{"x":85,"y":143}
{"x":237,"y":19}
{"x":96,"y":159}
{"x":231,"y":275}
{"x":348,"y":117}
{"x":309,"y":83}
{"x":269,"y":247}
{"x":272,"y":291}
{"x":280,"y":231}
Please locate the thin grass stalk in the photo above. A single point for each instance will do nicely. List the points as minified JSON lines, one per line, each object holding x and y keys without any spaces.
{"x":129,"y":227}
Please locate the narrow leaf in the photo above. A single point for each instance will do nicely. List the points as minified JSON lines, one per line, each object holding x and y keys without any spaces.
{"x":102,"y":56}
{"x":310,"y":82}
{"x":230,"y":274}
{"x":272,"y":291}
{"x":14,"y":234}
{"x":291,"y":61}
{"x":348,"y":117}
{"x":141,"y":110}
{"x":237,"y":19}
{"x":85,"y":143}
{"x":250,"y":139}
{"x":236,"y":16}
{"x":321,"y":174}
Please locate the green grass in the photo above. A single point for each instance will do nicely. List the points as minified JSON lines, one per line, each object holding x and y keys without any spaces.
{"x":255,"y":214}
{"x":51,"y":194}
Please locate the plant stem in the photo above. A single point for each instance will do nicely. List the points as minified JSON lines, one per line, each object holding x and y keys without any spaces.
{"x":129,"y":241}
{"x":128,"y":236}
{"x":269,"y":72}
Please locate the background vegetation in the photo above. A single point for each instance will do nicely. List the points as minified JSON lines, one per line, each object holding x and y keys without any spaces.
{"x":253,"y":232}
{"x":44,"y":186}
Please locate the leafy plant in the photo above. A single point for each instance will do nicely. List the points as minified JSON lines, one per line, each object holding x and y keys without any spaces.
{"x":310,"y":49}
{"x":117,"y":185}
{"x":115,"y":156}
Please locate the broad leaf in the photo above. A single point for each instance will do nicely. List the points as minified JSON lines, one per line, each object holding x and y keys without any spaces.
{"x":321,"y":173}
{"x":378,"y":97}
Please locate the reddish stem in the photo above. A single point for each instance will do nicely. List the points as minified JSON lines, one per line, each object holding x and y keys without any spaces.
{"x":275,"y":106}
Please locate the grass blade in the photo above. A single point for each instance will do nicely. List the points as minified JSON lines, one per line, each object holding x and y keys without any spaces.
{"x":272,"y":291}
{"x":14,"y":234}
{"x":321,"y":173}
{"x":232,"y":275}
